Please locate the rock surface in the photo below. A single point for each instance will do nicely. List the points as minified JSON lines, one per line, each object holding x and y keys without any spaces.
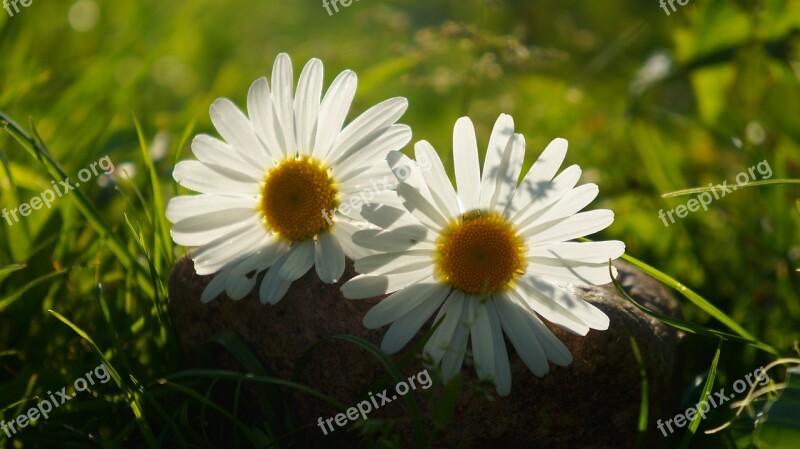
{"x":593,"y":403}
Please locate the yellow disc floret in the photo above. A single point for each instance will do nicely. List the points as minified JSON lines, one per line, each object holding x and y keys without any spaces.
{"x":298,"y":197}
{"x":480,"y":253}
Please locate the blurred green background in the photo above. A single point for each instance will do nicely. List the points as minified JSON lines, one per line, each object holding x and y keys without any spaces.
{"x":650,"y":103}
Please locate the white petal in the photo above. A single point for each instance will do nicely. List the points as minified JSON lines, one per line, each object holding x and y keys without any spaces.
{"x":538,"y":298}
{"x":201,"y":229}
{"x":396,"y":239}
{"x":237,"y":131}
{"x":195,"y":175}
{"x":273,"y":286}
{"x":328,"y":258}
{"x":299,"y":260}
{"x":556,"y":351}
{"x":211,"y":257}
{"x":409,"y":172}
{"x":282,"y":86}
{"x":212,"y":151}
{"x":453,"y":356}
{"x":390,"y":215}
{"x":402,"y":302}
{"x":481,"y":337}
{"x":375,"y":200}
{"x":366,"y":184}
{"x":404,"y":328}
{"x":512,"y":318}
{"x":465,"y":157}
{"x":438,"y":183}
{"x":395,"y":262}
{"x":588,"y":252}
{"x":548,"y":195}
{"x":540,"y":173}
{"x":508,"y":173}
{"x":186,"y":206}
{"x":586,"y":312}
{"x":571,"y":203}
{"x":578,"y":225}
{"x":421,"y":208}
{"x":243,"y":278}
{"x":365,"y":286}
{"x":343,"y":231}
{"x":264,"y":120}
{"x":368,"y":126}
{"x":358,"y":157}
{"x":502,"y":369}
{"x":442,"y":339}
{"x":502,"y":133}
{"x":213,"y":220}
{"x":333,"y":112}
{"x":306,"y":104}
{"x":569,"y":271}
{"x":215,"y":287}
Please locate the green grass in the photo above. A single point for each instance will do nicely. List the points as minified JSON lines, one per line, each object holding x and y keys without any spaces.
{"x":84,"y":281}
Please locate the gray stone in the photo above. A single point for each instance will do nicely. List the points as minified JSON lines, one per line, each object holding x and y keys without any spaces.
{"x":593,"y":403}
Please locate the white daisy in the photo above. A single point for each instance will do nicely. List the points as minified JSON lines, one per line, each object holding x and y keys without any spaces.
{"x":278,"y":192}
{"x":492,"y":258}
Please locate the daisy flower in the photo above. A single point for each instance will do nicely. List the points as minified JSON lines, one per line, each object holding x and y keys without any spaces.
{"x":276,"y":192}
{"x":492,"y":258}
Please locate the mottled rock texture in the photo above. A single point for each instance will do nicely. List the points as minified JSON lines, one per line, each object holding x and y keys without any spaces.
{"x":593,"y":403}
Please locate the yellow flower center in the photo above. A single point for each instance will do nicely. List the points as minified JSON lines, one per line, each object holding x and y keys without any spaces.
{"x":298,"y":197}
{"x":480,"y":253}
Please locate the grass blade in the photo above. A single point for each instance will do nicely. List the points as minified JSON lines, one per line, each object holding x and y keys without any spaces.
{"x":738,"y":186}
{"x":133,"y":397}
{"x":688,"y":326}
{"x":6,"y":301}
{"x":645,"y":387}
{"x":39,"y":152}
{"x":712,"y":373}
{"x":8,"y":269}
{"x":696,"y":299}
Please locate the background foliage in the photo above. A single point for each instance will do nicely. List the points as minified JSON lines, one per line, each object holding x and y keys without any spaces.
{"x":650,"y":104}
